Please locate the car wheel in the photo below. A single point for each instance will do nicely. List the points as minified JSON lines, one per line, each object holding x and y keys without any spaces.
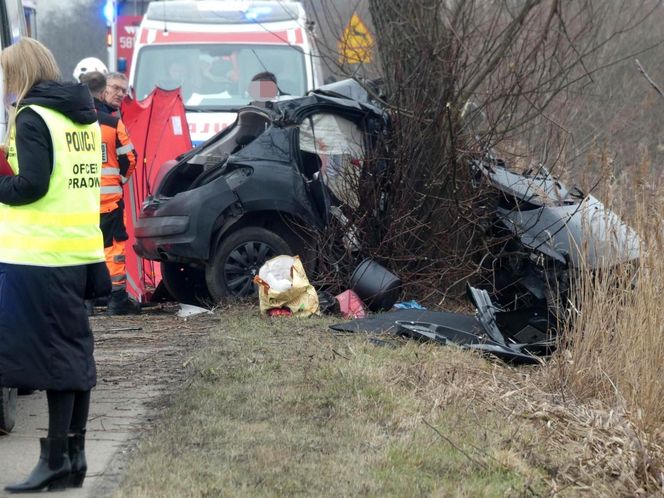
{"x":185,"y":284}
{"x":238,"y":258}
{"x":7,"y":410}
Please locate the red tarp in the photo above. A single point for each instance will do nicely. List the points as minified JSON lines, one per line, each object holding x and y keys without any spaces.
{"x":158,"y":129}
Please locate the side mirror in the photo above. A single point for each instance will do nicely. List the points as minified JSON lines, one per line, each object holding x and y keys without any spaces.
{"x":122,"y":65}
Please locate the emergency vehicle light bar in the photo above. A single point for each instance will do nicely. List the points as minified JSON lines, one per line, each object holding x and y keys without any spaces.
{"x":213,"y":12}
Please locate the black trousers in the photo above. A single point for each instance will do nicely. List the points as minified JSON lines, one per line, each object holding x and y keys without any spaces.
{"x":67,"y":412}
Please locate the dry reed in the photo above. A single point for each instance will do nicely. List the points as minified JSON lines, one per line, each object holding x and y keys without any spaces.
{"x":612,"y":350}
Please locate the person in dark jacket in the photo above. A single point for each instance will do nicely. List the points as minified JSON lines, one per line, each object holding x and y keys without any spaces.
{"x":49,"y":228}
{"x":119,"y":162}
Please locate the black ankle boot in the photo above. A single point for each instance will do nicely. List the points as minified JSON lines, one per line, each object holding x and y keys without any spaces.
{"x":52,"y":470}
{"x":79,"y":466}
{"x":119,"y":303}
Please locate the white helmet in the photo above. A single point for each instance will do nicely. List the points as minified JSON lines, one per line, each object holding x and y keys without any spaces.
{"x":89,"y":64}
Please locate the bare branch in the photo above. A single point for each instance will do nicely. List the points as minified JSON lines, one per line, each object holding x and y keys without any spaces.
{"x":648,"y":78}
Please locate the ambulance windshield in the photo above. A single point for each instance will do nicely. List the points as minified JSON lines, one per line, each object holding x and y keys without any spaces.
{"x":217,"y":76}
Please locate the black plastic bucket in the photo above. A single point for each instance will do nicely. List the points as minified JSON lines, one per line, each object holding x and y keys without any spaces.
{"x":378,"y":287}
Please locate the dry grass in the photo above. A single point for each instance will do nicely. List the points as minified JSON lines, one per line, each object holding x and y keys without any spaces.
{"x":284,"y":407}
{"x":614,"y":350}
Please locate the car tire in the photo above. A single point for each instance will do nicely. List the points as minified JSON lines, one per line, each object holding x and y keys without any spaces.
{"x":185,"y":284}
{"x":237,"y":259}
{"x":7,"y":410}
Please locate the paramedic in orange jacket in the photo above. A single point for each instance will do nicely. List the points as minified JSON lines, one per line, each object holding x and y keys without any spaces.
{"x":119,"y":161}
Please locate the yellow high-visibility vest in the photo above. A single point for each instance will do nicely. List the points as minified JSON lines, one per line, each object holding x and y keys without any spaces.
{"x":61,"y":228}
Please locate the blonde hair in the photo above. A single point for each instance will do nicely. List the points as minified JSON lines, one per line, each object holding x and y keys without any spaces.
{"x":25,"y":64}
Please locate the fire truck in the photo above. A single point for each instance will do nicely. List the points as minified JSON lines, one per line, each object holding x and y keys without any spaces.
{"x":122,"y":20}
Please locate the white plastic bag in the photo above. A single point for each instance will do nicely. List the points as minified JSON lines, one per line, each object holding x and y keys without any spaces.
{"x":277,"y":273}
{"x":282,"y":283}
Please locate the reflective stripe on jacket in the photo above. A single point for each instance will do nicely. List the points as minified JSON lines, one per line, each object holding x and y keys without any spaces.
{"x":119,"y":158}
{"x":61,"y":228}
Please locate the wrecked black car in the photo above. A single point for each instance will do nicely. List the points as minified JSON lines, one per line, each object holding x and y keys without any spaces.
{"x":243,"y":196}
{"x":256,"y":189}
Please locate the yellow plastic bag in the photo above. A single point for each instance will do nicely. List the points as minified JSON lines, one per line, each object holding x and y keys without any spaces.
{"x":283,"y":283}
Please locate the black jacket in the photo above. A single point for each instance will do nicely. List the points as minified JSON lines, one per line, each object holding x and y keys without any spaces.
{"x":45,"y":337}
{"x":33,"y":143}
{"x":104,"y":107}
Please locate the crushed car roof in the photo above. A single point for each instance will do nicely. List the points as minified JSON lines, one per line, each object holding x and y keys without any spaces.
{"x":347,"y":95}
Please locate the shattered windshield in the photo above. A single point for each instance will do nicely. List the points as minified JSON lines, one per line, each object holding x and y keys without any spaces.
{"x":217,"y":76}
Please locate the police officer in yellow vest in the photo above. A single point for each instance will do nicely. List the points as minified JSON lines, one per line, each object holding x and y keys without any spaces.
{"x":49,"y":241}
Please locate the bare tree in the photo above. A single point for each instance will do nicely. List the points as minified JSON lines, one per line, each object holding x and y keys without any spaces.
{"x":521,"y":62}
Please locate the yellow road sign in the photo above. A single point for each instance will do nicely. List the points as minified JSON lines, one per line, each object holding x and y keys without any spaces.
{"x":356,"y":43}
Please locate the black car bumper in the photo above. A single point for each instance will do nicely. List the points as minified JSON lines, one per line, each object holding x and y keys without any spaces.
{"x":180,"y":228}
{"x":163,"y":237}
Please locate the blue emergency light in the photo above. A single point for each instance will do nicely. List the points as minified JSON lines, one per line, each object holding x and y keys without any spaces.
{"x":253,"y":13}
{"x":109,"y":11}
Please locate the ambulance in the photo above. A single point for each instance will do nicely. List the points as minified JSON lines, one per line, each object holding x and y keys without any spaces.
{"x":212,"y":50}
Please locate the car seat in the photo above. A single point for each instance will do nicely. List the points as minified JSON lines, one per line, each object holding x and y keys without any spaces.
{"x":242,"y":141}
{"x":311,"y":164}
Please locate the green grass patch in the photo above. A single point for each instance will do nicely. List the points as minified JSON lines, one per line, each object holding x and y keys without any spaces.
{"x":281,"y":407}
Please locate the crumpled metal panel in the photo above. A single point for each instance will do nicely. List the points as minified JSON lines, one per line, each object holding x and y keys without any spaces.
{"x":584,"y":232}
